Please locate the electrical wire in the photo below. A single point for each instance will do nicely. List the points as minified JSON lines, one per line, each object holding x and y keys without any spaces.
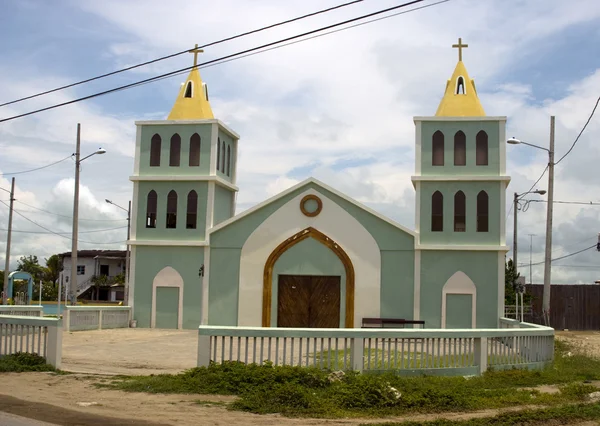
{"x":563,"y":257}
{"x":80,"y":232}
{"x":38,"y":168}
{"x":580,"y":133}
{"x":182,"y":52}
{"x":66,"y":216}
{"x":56,"y":233}
{"x":583,"y":203}
{"x":243,"y":52}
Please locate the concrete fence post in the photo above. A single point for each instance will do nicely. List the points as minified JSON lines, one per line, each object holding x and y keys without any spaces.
{"x":481,"y":354}
{"x":54,"y":345}
{"x":203,"y":350}
{"x":358,"y":354}
{"x":100,"y":311}
{"x":67,"y":319}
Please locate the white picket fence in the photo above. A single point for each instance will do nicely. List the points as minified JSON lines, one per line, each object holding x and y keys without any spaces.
{"x":408,"y":351}
{"x":41,"y":336}
{"x":77,"y":318}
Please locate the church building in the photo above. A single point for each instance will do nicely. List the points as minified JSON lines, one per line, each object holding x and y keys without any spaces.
{"x":312,"y":256}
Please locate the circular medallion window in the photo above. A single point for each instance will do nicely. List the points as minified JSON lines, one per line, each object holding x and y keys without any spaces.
{"x":311,"y":205}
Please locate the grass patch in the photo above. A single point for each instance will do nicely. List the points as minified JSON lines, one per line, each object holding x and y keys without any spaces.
{"x":21,"y":362}
{"x":563,"y":415}
{"x":312,"y":392}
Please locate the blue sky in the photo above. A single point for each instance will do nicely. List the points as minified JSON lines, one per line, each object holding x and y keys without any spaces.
{"x":338,"y":108}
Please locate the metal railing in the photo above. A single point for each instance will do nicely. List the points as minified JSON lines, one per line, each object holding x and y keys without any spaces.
{"x":407,"y":351}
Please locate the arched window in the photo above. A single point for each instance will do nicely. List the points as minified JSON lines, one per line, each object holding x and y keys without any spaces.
{"x":172,"y":210}
{"x":460,"y":86}
{"x":460,"y":149}
{"x":228,"y":160}
{"x":460,"y":212}
{"x":195,"y":150}
{"x":483,"y":204}
{"x":175,"y":154}
{"x":192,"y":210}
{"x":155,"y":150}
{"x":437,"y":212}
{"x":481,"y":148}
{"x":437,"y":149}
{"x":188,"y":90}
{"x":218,"y":152}
{"x":223,"y":158}
{"x":151,"y":203}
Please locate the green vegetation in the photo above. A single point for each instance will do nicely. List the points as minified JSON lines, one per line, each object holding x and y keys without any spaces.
{"x":311,"y":392}
{"x":21,"y":362}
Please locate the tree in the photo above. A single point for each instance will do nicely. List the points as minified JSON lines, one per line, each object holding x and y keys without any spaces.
{"x":31,"y":265}
{"x":53,"y":268}
{"x":510,"y":279}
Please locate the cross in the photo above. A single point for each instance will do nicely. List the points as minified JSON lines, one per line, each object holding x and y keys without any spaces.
{"x":195,"y":51}
{"x":459,"y":46}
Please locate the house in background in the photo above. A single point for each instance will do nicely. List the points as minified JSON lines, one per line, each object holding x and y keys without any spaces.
{"x":95,"y":263}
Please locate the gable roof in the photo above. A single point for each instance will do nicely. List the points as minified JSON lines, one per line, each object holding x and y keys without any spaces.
{"x":300,"y":185}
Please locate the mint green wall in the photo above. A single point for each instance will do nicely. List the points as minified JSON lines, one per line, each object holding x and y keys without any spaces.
{"x":224,"y":137}
{"x":459,"y":311}
{"x":162,"y":190}
{"x":167,"y":301}
{"x":470,"y":236}
{"x":309,"y":257}
{"x":149,"y":261}
{"x":470,"y":129}
{"x":223,"y":204}
{"x":397,"y":289}
{"x":165,"y":132}
{"x":480,"y":266}
{"x":223,"y":289}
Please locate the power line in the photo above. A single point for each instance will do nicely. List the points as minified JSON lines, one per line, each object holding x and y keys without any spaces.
{"x":243,"y":52}
{"x":182,"y":52}
{"x":565,"y":256}
{"x":584,"y":203}
{"x":66,"y":216}
{"x":580,"y":133}
{"x":38,"y":168}
{"x":68,"y":232}
{"x":56,"y":233}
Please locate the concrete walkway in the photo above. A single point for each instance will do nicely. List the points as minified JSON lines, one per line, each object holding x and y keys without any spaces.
{"x":129,"y":351}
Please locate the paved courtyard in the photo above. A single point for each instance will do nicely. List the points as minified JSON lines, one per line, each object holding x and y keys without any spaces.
{"x":130,"y":351}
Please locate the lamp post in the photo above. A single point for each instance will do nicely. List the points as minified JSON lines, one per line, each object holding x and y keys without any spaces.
{"x":548,"y":254}
{"x":128,"y":210}
{"x":78,"y":160}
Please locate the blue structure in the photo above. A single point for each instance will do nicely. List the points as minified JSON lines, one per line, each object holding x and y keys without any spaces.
{"x":20,"y":275}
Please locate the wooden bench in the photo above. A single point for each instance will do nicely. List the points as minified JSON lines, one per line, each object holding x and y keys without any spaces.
{"x":389,"y":323}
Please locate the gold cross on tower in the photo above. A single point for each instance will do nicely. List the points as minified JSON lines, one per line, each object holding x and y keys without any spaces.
{"x":195,"y":51}
{"x":458,"y":46}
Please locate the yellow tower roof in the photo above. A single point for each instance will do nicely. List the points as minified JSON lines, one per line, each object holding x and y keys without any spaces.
{"x":460,"y":98}
{"x":192,"y":101}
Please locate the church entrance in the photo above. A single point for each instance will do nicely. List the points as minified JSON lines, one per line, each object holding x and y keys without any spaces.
{"x":307,"y":301}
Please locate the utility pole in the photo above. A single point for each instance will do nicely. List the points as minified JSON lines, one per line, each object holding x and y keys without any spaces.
{"x":548,"y":257}
{"x":73,"y":284}
{"x":126,"y":295}
{"x":9,"y":235}
{"x":515,"y":208}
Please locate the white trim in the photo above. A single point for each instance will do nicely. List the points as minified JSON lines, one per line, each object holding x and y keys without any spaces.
{"x":138,"y":151}
{"x":334,"y":222}
{"x":132,"y":260}
{"x":205,"y":287}
{"x":184,"y":178}
{"x":460,"y":283}
{"x":418,"y":213}
{"x":417,"y":289}
{"x":226,"y":184}
{"x":418,"y":148}
{"x":210,"y":208}
{"x":134,"y":211}
{"x":462,"y":247}
{"x":174,"y":243}
{"x":502,"y":145}
{"x":439,"y":118}
{"x":502,"y":216}
{"x":462,"y":178}
{"x":167,"y":277}
{"x":501,"y":266}
{"x":234,"y":162}
{"x":214,"y":135}
{"x":300,"y":185}
{"x":177,"y":122}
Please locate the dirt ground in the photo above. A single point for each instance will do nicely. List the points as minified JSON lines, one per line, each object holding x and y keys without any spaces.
{"x":73,"y":400}
{"x":587,"y":342}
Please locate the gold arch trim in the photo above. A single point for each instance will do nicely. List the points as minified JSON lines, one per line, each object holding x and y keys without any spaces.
{"x":309,"y":232}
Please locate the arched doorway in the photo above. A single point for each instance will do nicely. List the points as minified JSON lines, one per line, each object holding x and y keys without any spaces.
{"x":167,"y":299}
{"x":291,"y":242}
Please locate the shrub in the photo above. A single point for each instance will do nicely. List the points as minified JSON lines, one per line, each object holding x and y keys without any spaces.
{"x":22,"y":361}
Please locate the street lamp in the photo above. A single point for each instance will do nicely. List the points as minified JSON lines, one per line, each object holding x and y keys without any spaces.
{"x":548,"y":255}
{"x":128,"y":210}
{"x":78,"y":160}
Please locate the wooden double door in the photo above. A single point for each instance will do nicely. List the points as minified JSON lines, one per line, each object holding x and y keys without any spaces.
{"x":307,"y":301}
